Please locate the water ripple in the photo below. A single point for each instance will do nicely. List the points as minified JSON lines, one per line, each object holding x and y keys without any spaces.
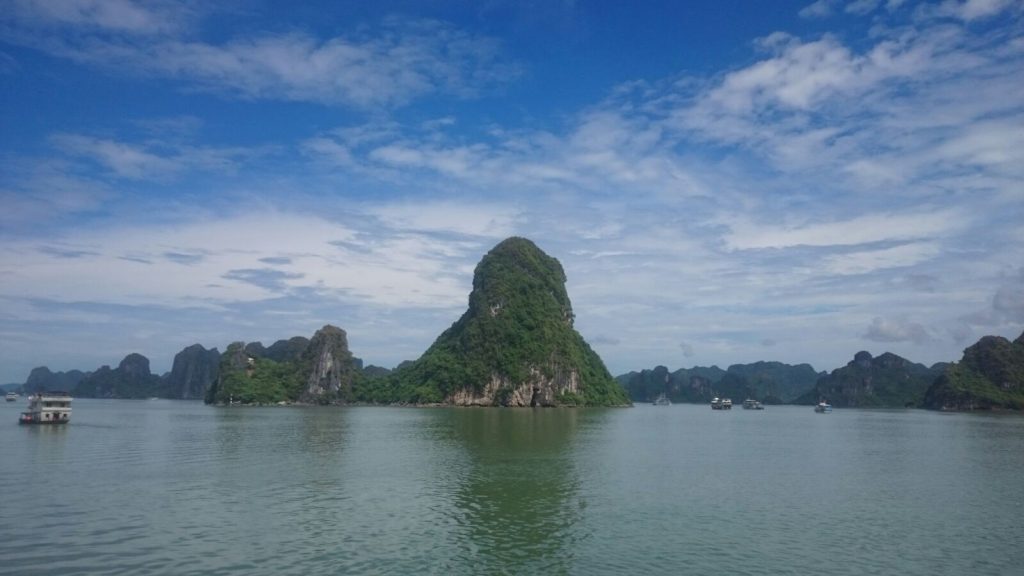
{"x":181,"y":488}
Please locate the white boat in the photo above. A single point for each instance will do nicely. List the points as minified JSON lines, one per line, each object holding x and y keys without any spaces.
{"x":823,"y":407}
{"x":47,"y":408}
{"x":750,"y":404}
{"x":12,"y":396}
{"x":721,"y":404}
{"x":662,"y":400}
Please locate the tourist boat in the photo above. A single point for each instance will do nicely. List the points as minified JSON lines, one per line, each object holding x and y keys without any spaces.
{"x":823,"y":407}
{"x":12,"y":396}
{"x":721,"y":404}
{"x":47,"y":408}
{"x":662,"y":400}
{"x":750,"y":404}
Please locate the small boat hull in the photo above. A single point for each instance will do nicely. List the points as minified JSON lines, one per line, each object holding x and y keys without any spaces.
{"x":29,"y":418}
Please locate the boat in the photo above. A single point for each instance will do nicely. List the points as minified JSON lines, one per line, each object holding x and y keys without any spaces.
{"x":662,"y":400}
{"x":52,"y":407}
{"x":751,"y":404}
{"x":12,"y":396}
{"x":721,"y":404}
{"x":823,"y":408}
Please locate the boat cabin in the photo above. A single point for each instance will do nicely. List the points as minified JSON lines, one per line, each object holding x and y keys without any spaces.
{"x":47,"y":408}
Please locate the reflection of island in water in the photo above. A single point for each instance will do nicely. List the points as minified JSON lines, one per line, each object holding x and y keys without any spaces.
{"x":518,"y":506}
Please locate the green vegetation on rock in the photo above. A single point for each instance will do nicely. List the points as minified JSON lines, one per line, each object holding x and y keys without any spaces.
{"x":768,"y":382}
{"x":42,"y":378}
{"x":990,"y":375}
{"x":262,"y":381}
{"x":888,"y":381}
{"x":318,"y":371}
{"x":131,"y":379}
{"x":515,"y":345}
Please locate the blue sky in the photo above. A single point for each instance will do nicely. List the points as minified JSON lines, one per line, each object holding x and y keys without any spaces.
{"x":723,"y":181}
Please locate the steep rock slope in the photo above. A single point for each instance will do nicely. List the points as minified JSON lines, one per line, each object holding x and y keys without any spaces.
{"x":888,"y":381}
{"x":131,"y":379}
{"x":990,"y":375}
{"x":316,"y":371}
{"x":515,"y":345}
{"x":195,"y":368}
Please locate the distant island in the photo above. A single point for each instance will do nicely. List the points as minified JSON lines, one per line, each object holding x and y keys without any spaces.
{"x":516,"y":345}
{"x":767,"y":382}
{"x":990,"y":376}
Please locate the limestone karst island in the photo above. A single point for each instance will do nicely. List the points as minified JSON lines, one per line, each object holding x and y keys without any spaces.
{"x":514,"y":346}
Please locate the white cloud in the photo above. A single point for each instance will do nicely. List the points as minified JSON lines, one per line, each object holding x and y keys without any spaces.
{"x":819,"y":9}
{"x":970,"y":10}
{"x":1009,"y":303}
{"x":470,"y":218}
{"x":879,"y":227}
{"x":403,"y":61}
{"x":152,"y":159}
{"x":862,"y":7}
{"x":215,"y":262}
{"x":111,"y":15}
{"x":1005,"y":307}
{"x":123,"y":159}
{"x":897,"y":330}
{"x":866,"y":261}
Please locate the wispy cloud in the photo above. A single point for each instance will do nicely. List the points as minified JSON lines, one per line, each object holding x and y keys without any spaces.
{"x":276,"y":260}
{"x":967,"y":10}
{"x":862,"y":229}
{"x":268,"y":278}
{"x":63,"y":252}
{"x":126,"y":16}
{"x":183,"y":258}
{"x":403,"y":60}
{"x":152,"y":159}
{"x":819,"y":9}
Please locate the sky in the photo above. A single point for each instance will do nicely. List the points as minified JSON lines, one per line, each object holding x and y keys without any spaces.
{"x":723,"y":181}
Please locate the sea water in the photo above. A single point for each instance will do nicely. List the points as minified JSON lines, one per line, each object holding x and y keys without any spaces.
{"x":175,"y":487}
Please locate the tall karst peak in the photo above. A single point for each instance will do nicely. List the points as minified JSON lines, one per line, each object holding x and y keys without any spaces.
{"x":331,"y":368}
{"x":515,"y":345}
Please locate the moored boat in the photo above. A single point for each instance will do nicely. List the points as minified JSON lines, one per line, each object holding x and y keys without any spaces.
{"x":662,"y":400}
{"x":721,"y":404}
{"x":751,"y":404}
{"x":823,"y":407}
{"x":47,"y":408}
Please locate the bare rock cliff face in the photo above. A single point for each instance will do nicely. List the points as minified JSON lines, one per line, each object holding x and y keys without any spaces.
{"x":332,"y":368}
{"x":537,"y":390}
{"x":194,"y":371}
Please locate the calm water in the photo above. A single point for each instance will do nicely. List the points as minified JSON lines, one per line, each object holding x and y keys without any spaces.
{"x":165,"y":487}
